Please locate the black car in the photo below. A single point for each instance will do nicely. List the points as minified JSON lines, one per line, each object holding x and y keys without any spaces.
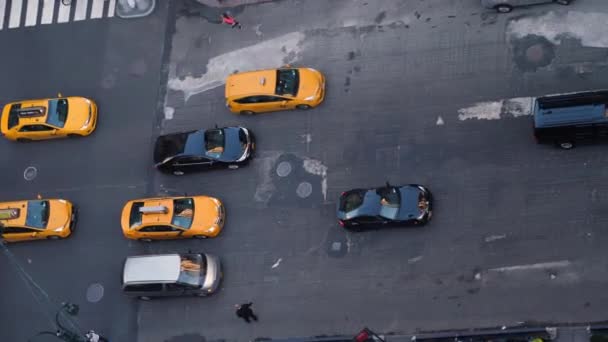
{"x":227,"y":147}
{"x":384,"y":207}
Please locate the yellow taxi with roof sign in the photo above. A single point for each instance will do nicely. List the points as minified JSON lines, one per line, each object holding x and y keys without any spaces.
{"x":37,"y":219}
{"x":173,"y":218}
{"x":276,"y":89}
{"x":49,"y":118}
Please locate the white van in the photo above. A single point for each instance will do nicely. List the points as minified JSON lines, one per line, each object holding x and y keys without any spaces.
{"x":163,"y":275}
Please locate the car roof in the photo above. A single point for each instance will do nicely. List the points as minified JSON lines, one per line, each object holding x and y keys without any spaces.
{"x":160,"y":268}
{"x":39,"y":105}
{"x":13,"y":213}
{"x":259,"y":82}
{"x":372,"y":206}
{"x":572,"y":108}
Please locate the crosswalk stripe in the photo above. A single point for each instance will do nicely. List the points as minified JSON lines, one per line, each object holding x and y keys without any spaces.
{"x":81,"y":10}
{"x":111,"y":8}
{"x":15,"y":16}
{"x":97,"y":9}
{"x":2,"y":6}
{"x":48,"y":8}
{"x":31,"y":15}
{"x":64,"y":13}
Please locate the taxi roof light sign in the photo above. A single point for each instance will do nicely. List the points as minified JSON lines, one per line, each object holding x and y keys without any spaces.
{"x":31,"y":112}
{"x":159,"y":209}
{"x":9,"y":214}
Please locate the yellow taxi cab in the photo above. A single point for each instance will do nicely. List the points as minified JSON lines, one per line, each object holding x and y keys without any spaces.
{"x":172,"y":218}
{"x":37,"y":219}
{"x":277,"y":89}
{"x":49,"y":118}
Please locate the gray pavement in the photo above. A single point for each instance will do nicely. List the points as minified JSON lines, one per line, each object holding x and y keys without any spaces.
{"x":518,"y":231}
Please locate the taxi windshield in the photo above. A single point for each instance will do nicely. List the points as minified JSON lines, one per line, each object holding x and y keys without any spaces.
{"x":58,"y":112}
{"x":192,"y":267}
{"x":37,"y":214}
{"x":183,"y":212}
{"x":288,"y":81}
{"x":214,"y":142}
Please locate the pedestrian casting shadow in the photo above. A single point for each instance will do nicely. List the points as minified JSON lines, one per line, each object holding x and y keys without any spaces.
{"x":193,"y":8}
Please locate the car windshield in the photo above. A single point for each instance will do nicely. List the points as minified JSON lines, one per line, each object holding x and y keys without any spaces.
{"x":288,"y":81}
{"x":389,"y":196}
{"x":183,"y":212}
{"x":37,"y":214}
{"x":351,"y":200}
{"x":192,"y":268}
{"x":214,"y":142}
{"x":135,"y":215}
{"x":58,"y":112}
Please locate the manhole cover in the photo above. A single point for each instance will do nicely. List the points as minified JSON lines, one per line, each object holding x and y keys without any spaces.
{"x":336,"y":246}
{"x":284,"y":169}
{"x":94,"y":292}
{"x":30,"y":173}
{"x":304,"y":189}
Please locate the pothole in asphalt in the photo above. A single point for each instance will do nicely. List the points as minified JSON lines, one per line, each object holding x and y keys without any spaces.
{"x":94,"y":292}
{"x":284,"y":169}
{"x":304,"y":189}
{"x":30,"y":173}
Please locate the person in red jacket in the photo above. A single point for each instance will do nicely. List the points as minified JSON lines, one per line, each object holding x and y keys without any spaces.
{"x":230,"y":20}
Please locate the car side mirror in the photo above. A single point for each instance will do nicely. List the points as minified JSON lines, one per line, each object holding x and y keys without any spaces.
{"x":59,"y":95}
{"x":286,"y":66}
{"x":283,"y":103}
{"x":34,"y":234}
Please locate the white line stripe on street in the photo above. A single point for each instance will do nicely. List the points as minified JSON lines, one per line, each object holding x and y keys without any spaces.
{"x":81,"y":10}
{"x":64,"y":13}
{"x":111,"y":8}
{"x":48,"y":8}
{"x":542,"y":265}
{"x":15,"y":16}
{"x":97,"y":9}
{"x":2,"y":7}
{"x":31,"y":16}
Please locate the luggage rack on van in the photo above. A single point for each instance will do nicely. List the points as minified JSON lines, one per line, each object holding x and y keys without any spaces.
{"x":585,"y":98}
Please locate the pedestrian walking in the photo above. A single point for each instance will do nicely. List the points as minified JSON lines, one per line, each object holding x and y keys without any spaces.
{"x":230,"y":20}
{"x":245,"y":312}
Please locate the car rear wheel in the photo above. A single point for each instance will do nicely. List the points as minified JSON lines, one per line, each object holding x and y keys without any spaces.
{"x":303,"y":107}
{"x":178,"y":173}
{"x":200,"y":237}
{"x":72,"y":135}
{"x":233,"y":166}
{"x":566,"y":145}
{"x":247,"y":112}
{"x":563,"y":2}
{"x":144,"y":298}
{"x":504,"y":8}
{"x":145,"y":240}
{"x":54,"y":237}
{"x":23,"y":140}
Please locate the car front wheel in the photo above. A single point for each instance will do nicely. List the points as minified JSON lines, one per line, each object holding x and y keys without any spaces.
{"x":247,"y":112}
{"x":178,"y":173}
{"x":303,"y":107}
{"x":566,"y":145}
{"x":563,"y":2}
{"x":200,"y":237}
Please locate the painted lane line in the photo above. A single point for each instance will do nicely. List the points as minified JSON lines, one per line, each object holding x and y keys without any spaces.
{"x":276,"y":264}
{"x":542,"y":265}
{"x":97,"y":9}
{"x":31,"y":15}
{"x":2,"y":9}
{"x":48,"y":8}
{"x":15,"y":15}
{"x":81,"y":10}
{"x":494,"y":110}
{"x":495,"y":237}
{"x":64,"y":13}
{"x":111,"y":8}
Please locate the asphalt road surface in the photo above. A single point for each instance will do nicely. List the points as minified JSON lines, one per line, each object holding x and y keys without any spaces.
{"x":433,"y":92}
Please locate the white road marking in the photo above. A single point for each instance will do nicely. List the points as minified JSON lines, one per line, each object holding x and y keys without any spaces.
{"x":440,"y":121}
{"x":495,"y":237}
{"x":64,"y":13}
{"x":48,"y":8}
{"x":271,"y":53}
{"x":111,"y":8}
{"x":80,"y":13}
{"x":315,"y":167}
{"x":543,"y":265}
{"x":414,"y":260}
{"x":515,"y":107}
{"x":15,"y":16}
{"x":169,"y":113}
{"x":31,"y":15}
{"x":589,"y":27}
{"x":276,"y":264}
{"x":2,"y":9}
{"x":97,"y":9}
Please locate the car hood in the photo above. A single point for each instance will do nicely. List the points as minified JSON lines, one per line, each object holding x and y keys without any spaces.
{"x":233,"y":146}
{"x":311,"y":82}
{"x":60,"y":214}
{"x":79,"y":112}
{"x":206,"y":212}
{"x":409,"y":202}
